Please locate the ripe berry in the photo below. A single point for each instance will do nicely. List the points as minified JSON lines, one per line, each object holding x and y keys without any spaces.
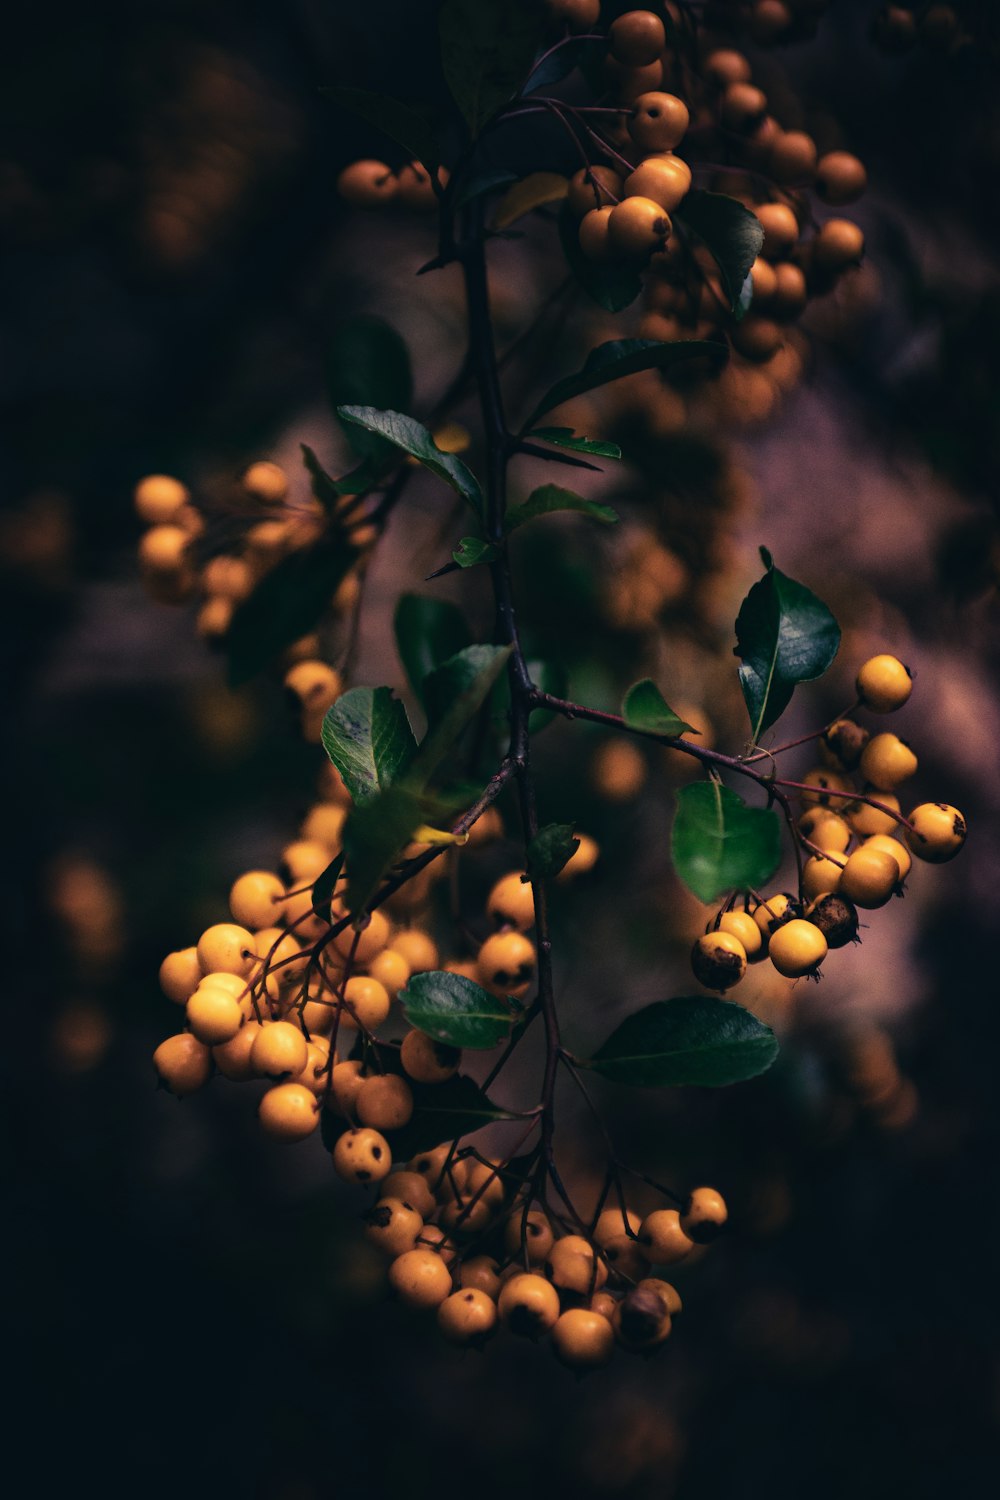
{"x":410,"y":1188}
{"x":506,"y":962}
{"x":741,"y":925}
{"x":345,"y":1082}
{"x":289,"y":1112}
{"x":619,"y":770}
{"x":938,"y":832}
{"x":636,"y":38}
{"x":582,"y":1339}
{"x":533,"y":1231}
{"x":362,"y":1156}
{"x":420,"y":1278}
{"x":772,"y":913}
{"x":704,"y":1215}
{"x":314,"y":685}
{"x":626,"y":1257}
{"x":826,"y":829}
{"x":367,"y":184}
{"x":467,"y":1316}
{"x":593,"y":233}
{"x":583,"y":14}
{"x":254,"y":898}
{"x":836,"y":919}
{"x":593,"y":187}
{"x":214,"y":1016}
{"x":481,"y":1272}
{"x":840,"y":178}
{"x":366,"y":1003}
{"x":791,"y":292}
{"x":781,"y":229}
{"x":182,"y":1064}
{"x":884,"y":684}
{"x":843,"y":743}
{"x":428,"y":1061}
{"x":511,"y":902}
{"x":797,"y":948}
{"x":232,"y":1058}
{"x":743,"y":107}
{"x":415,"y":189}
{"x":658,"y":121}
{"x":393,"y":1225}
{"x":180,"y":975}
{"x":641,"y":1319}
{"x":819,"y":875}
{"x":837,"y":244}
{"x":385,"y":1101}
{"x":390,"y":969}
{"x":434,"y":1238}
{"x":266,"y":482}
{"x":612,"y":1223}
{"x":866,"y":819}
{"x":719,"y":960}
{"x":279,"y":1050}
{"x":664,"y":178}
{"x":899,"y":851}
{"x":432,"y":1166}
{"x":666,"y":1290}
{"x":663,"y":1237}
{"x":316,"y":1072}
{"x":159,"y":498}
{"x":636,"y":228}
{"x":793,"y":157}
{"x":528,"y":1305}
{"x":869,"y":877}
{"x":886,"y":761}
{"x":726,"y":66}
{"x":572,"y":1266}
{"x":825,"y":789}
{"x":228,"y":948}
{"x":419,"y":950}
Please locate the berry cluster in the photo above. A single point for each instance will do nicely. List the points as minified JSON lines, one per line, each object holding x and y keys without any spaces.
{"x":845,"y":831}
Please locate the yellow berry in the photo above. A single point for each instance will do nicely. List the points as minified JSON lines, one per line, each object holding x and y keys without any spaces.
{"x":664,"y":179}
{"x":213,"y":1016}
{"x":741,"y":925}
{"x":362,"y":1156}
{"x":819,"y":875}
{"x":417,"y":948}
{"x":393,"y":1225}
{"x":824,"y":789}
{"x":428,"y":1061}
{"x":937,"y":833}
{"x":899,"y":851}
{"x":384,"y":1101}
{"x":593,"y":187}
{"x":572,"y":1266}
{"x":658,"y":121}
{"x":159,"y":498}
{"x":594,"y":233}
{"x":367,"y":942}
{"x":180,"y":975}
{"x":797,"y":948}
{"x":411,"y":1188}
{"x":704,"y":1215}
{"x":837,"y":244}
{"x":636,"y":38}
{"x":583,"y":1339}
{"x":663,"y":1238}
{"x":279,"y":1051}
{"x":232,"y":1058}
{"x":227,"y":947}
{"x":390,"y":969}
{"x":637,"y":228}
{"x":366,"y":1003}
{"x":869,"y":877}
{"x":289,"y":1112}
{"x":481,"y":1272}
{"x":719,"y":960}
{"x":467,"y":1316}
{"x":886,"y":761}
{"x":420,"y":1278}
{"x":506,"y":962}
{"x":182,"y":1064}
{"x":266,"y":481}
{"x":612,"y":1223}
{"x":163,"y":549}
{"x":367,"y":184}
{"x":511,"y":902}
{"x":619,"y":770}
{"x":533,"y":1232}
{"x":528,"y":1305}
{"x":866,"y":819}
{"x":826,"y":829}
{"x":254,"y":898}
{"x":840,"y":178}
{"x":583,"y":858}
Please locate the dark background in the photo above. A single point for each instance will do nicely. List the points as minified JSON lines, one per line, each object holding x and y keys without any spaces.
{"x":189,"y":1306}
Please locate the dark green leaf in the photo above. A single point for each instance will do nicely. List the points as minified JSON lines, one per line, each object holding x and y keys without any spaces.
{"x":376,"y":833}
{"x":455,"y":691}
{"x":456,"y":1010}
{"x":551,"y":497}
{"x":324,"y":886}
{"x":565,"y":437}
{"x":487,"y":48}
{"x":368,"y":364}
{"x":611,"y":285}
{"x":287,"y":603}
{"x":622,"y":357}
{"x":472,"y":550}
{"x":483,"y":183}
{"x":443,"y":1112}
{"x":693,"y":1039}
{"x":644,"y":707}
{"x":549,"y":676}
{"x":559,"y":63}
{"x":409,"y":127}
{"x":428,"y":631}
{"x":368,"y":737}
{"x":731,"y":233}
{"x":552,"y":847}
{"x":719,"y":844}
{"x":412,"y":437}
{"x":784,"y":635}
{"x":533,"y":191}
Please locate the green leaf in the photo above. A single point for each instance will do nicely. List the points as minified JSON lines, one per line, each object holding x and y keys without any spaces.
{"x":487,"y":48}
{"x":456,"y":1010}
{"x":368,"y":364}
{"x":784,"y":635}
{"x":719,"y":844}
{"x":730,"y":232}
{"x":644,"y":707}
{"x":472,"y":550}
{"x":324,"y":886}
{"x":375,"y":834}
{"x":409,"y":127}
{"x":533,"y":191}
{"x":551,"y":497}
{"x":443,"y":1112}
{"x":691,"y":1040}
{"x":286,"y":604}
{"x":549,"y":676}
{"x":410,"y":435}
{"x":368,"y":737}
{"x":428,"y":631}
{"x":552,"y":847}
{"x":612,"y":285}
{"x":565,"y":437}
{"x":558,"y":63}
{"x":622,"y":357}
{"x":485,"y":182}
{"x":455,"y":691}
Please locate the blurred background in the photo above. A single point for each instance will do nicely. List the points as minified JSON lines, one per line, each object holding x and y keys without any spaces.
{"x":193,"y":1305}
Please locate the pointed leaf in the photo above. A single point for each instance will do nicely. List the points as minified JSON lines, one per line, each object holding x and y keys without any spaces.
{"x":719,"y":844}
{"x":621,"y":357}
{"x":644,"y":707}
{"x":785,"y":635}
{"x":487,"y":48}
{"x":533,"y":191}
{"x":485,"y":182}
{"x":565,"y":437}
{"x":691,"y":1040}
{"x":552,"y":847}
{"x":730,"y":232}
{"x":472,"y":550}
{"x":376,"y":833}
{"x":428,"y":631}
{"x":367,"y":363}
{"x":443,"y":1112}
{"x":287,"y":603}
{"x":412,"y":437}
{"x":324,"y":886}
{"x":409,"y":127}
{"x":559,"y":62}
{"x":455,"y":1010}
{"x":610,"y":284}
{"x":368,"y":737}
{"x":455,"y":691}
{"x":551,"y":497}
